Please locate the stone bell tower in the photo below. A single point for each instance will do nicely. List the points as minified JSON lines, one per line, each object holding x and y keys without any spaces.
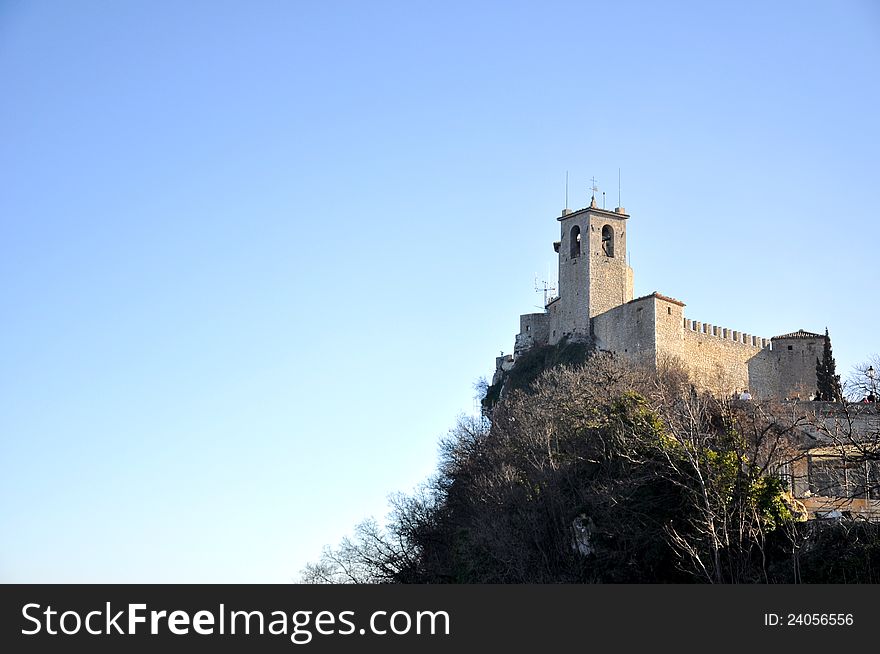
{"x":593,"y":274}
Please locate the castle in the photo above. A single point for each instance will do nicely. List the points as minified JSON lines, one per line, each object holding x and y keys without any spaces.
{"x":595,"y":305}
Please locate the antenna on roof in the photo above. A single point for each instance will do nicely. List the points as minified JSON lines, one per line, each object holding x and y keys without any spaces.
{"x":566,"y":189}
{"x":618,"y":188}
{"x":546,"y":287}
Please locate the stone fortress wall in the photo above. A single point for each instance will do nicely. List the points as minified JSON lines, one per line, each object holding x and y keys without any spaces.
{"x":629,"y":329}
{"x":534,"y":329}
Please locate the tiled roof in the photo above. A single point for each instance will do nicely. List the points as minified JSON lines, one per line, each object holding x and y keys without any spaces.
{"x":659,"y":297}
{"x":798,"y":334}
{"x":849,"y":450}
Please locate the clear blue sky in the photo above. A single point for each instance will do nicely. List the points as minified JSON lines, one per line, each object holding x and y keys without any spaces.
{"x":254,"y":255}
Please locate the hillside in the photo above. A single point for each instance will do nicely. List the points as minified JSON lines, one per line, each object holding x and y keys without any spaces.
{"x":600,"y":472}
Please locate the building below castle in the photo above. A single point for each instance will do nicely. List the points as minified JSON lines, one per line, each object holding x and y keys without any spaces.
{"x":595,"y":305}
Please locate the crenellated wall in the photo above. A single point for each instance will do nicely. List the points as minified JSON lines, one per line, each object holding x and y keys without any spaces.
{"x":724,"y":333}
{"x":722,"y":364}
{"x":725,"y":361}
{"x":720,"y":359}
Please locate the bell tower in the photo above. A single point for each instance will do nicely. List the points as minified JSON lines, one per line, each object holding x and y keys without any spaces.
{"x":611,"y":279}
{"x":593,"y":274}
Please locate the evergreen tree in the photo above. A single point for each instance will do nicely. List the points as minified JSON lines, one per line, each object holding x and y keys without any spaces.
{"x":827,"y":382}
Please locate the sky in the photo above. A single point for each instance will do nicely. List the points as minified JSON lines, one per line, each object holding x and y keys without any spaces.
{"x":255,"y":255}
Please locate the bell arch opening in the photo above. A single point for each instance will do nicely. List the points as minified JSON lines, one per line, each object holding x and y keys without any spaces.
{"x":575,"y":242}
{"x":608,"y":241}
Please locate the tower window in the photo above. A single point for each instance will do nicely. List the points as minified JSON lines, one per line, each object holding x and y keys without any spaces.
{"x":608,"y":241}
{"x":575,"y":242}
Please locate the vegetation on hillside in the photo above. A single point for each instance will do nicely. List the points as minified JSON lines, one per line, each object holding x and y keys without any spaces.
{"x":597,"y":472}
{"x":531,"y":364}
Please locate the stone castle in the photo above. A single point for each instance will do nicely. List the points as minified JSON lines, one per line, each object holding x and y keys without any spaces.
{"x":595,"y":305}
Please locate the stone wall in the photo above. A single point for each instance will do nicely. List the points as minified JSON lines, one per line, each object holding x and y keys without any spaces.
{"x":795,"y":363}
{"x":610,"y":277}
{"x":628,"y":330}
{"x":722,"y":360}
{"x":555,"y":320}
{"x":593,"y":276}
{"x":722,"y":364}
{"x":726,"y":361}
{"x":534,"y":329}
{"x":572,"y":310}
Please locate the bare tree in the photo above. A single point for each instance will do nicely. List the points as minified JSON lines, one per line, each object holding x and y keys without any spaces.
{"x":368,"y":558}
{"x":841,"y":466}
{"x":863,"y":380}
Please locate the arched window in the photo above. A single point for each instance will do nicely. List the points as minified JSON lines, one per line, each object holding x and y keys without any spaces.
{"x":608,"y":241}
{"x":575,"y":241}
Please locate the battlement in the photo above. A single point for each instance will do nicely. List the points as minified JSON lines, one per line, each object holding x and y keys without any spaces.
{"x":726,"y":334}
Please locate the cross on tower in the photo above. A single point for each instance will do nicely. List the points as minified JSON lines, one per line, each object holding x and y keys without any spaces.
{"x":594,"y":188}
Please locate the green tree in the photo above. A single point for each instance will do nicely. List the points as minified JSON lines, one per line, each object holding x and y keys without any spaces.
{"x":827,"y":381}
